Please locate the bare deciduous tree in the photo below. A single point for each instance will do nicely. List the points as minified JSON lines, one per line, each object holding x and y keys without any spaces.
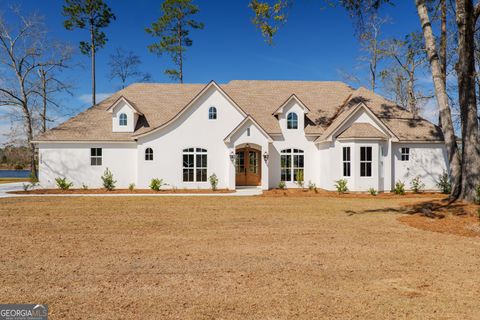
{"x":125,"y":66}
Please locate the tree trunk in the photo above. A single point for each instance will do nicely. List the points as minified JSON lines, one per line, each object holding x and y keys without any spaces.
{"x":43,"y":80}
{"x":467,"y":99}
{"x":443,"y":46}
{"x":92,"y":45}
{"x":412,"y":101}
{"x":29,"y":129}
{"x":442,"y":100}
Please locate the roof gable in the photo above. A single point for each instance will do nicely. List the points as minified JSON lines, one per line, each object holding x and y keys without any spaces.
{"x":241,"y":124}
{"x":336,"y":125}
{"x":294,"y":98}
{"x":127,"y":102}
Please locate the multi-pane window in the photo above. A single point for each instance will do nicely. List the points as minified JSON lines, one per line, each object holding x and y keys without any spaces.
{"x":292,"y":165}
{"x":96,"y":156}
{"x":212,"y":113}
{"x":365,"y":161}
{"x":149,"y":154}
{"x":405,"y":154}
{"x":122,"y":119}
{"x":194,"y":165}
{"x":346,"y":162}
{"x":292,"y":121}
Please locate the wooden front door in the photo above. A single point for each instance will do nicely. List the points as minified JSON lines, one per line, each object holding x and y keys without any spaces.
{"x":248,"y":167}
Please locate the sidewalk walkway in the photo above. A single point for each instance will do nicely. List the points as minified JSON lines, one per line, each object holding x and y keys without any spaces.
{"x":18,"y":186}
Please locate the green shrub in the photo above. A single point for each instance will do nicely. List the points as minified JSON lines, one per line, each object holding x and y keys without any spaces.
{"x":341,"y":185}
{"x":107,"y":179}
{"x":213,"y":181}
{"x":156,"y":184}
{"x":63,"y":184}
{"x":131,"y":187}
{"x":372,"y":191}
{"x":282,"y":185}
{"x":312,"y":186}
{"x":417,"y":185}
{"x":444,"y":183}
{"x":300,"y":181}
{"x":84,"y":186}
{"x":26,"y":186}
{"x":399,"y":188}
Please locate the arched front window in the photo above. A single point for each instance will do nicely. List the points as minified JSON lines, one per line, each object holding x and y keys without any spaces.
{"x":122,"y":119}
{"x":291,"y":165}
{"x":212,"y":113}
{"x":292,"y":121}
{"x":194,"y":165}
{"x":149,"y":154}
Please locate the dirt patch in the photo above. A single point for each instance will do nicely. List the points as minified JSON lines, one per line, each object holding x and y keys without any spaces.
{"x":121,"y":191}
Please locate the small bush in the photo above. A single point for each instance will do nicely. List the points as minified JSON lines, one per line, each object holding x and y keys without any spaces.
{"x":131,"y":187}
{"x":63,"y":183}
{"x":341,"y":185}
{"x":18,"y":166}
{"x":156,"y":184}
{"x":399,"y":188}
{"x":444,"y":184}
{"x":372,"y":191}
{"x":417,"y":185}
{"x":312,"y":186}
{"x":300,"y":181}
{"x":108,"y":181}
{"x":26,"y":186}
{"x":282,"y":185}
{"x":84,"y":186}
{"x":213,"y":181}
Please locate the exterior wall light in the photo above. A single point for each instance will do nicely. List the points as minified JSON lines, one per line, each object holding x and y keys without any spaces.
{"x":265,"y":156}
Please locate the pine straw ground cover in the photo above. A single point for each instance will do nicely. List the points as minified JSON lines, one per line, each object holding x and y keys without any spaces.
{"x":232,"y":258}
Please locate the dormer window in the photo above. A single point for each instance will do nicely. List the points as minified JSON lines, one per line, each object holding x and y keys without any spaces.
{"x":122,"y":119}
{"x":292,"y":121}
{"x":212,"y":113}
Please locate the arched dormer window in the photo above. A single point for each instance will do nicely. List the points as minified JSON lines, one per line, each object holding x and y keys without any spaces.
{"x":212,"y":113}
{"x":149,"y":154}
{"x":122,"y":119}
{"x":292,"y":121}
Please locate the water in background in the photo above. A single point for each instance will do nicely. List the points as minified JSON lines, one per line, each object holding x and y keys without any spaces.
{"x":14,"y":173}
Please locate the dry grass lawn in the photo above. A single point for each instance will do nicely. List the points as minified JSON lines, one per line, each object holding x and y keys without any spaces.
{"x":232,"y":258}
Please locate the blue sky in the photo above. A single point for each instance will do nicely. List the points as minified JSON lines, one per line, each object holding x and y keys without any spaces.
{"x":315,"y":44}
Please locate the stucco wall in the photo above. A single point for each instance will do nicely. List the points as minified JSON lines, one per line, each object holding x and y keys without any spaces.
{"x":192,"y":129}
{"x":73,"y":162}
{"x":427,"y":160}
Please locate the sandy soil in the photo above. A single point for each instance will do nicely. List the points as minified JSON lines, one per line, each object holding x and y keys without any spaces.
{"x":232,"y":258}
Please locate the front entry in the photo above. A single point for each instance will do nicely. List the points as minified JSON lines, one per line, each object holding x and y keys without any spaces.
{"x":248,"y":169}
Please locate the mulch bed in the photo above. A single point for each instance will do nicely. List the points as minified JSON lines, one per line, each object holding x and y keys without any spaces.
{"x":120,"y":191}
{"x":458,"y":218}
{"x":334,"y":194}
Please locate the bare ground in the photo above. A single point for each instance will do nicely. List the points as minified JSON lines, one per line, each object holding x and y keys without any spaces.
{"x":232,"y":258}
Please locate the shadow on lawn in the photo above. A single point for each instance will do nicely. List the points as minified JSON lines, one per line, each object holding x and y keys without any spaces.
{"x":434,"y":209}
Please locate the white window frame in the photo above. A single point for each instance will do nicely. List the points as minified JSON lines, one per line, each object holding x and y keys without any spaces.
{"x":366,"y":162}
{"x":347,"y":163}
{"x":96,"y":157}
{"x":199,"y":165}
{"x":123,"y":120}
{"x":292,"y":167}
{"x":148,"y":154}
{"x":405,"y":154}
{"x":292,"y":124}
{"x":212,"y":113}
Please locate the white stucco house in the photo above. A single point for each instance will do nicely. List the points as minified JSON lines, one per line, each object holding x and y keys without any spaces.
{"x":249,"y":133}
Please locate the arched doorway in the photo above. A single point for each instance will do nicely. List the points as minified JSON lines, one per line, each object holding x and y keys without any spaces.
{"x":248,"y":167}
